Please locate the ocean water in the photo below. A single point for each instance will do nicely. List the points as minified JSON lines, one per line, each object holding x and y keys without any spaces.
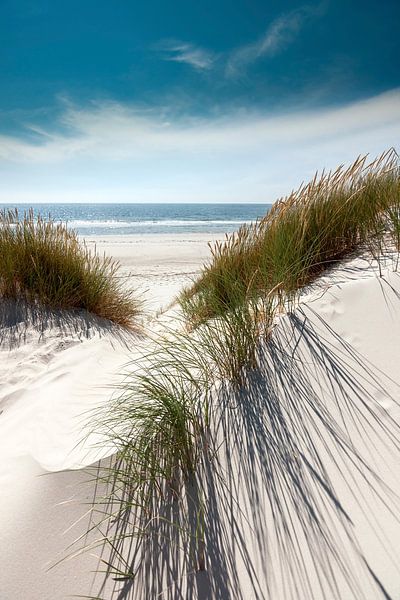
{"x":124,"y":219}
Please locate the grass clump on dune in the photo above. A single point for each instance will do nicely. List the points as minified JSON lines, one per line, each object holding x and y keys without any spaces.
{"x":149,"y":496}
{"x":302,"y":235}
{"x":43,"y":262}
{"x":150,"y":504}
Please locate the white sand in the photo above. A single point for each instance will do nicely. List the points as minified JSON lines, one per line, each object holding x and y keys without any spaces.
{"x":158,"y":266}
{"x":343,"y":347}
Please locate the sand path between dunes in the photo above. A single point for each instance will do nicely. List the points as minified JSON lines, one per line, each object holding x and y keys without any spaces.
{"x":157,"y":265}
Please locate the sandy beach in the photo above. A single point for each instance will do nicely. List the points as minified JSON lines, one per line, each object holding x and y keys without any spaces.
{"x":345,"y":335}
{"x":158,"y":266}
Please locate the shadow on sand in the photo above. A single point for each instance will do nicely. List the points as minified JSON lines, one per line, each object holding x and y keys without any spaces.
{"x":268,"y":516}
{"x":19,"y":319}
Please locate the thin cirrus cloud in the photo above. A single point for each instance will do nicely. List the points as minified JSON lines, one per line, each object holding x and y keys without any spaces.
{"x":278,"y":36}
{"x":198,"y":58}
{"x":280,"y":33}
{"x":116,"y":152}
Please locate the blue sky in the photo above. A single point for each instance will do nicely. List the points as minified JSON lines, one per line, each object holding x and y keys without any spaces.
{"x":209,"y":101}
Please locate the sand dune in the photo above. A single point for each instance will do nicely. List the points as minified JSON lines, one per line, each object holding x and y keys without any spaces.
{"x":330,"y":381}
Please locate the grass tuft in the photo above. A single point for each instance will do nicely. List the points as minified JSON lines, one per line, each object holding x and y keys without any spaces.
{"x":302,"y":235}
{"x":43,"y":262}
{"x":150,"y":490}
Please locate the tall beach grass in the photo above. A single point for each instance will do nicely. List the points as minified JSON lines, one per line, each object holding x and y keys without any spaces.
{"x":149,"y":496}
{"x":43,"y":262}
{"x":303,"y":234}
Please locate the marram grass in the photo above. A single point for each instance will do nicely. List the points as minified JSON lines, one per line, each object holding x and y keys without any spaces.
{"x":150,"y":498}
{"x":43,"y":262}
{"x":302,"y":235}
{"x":149,"y":495}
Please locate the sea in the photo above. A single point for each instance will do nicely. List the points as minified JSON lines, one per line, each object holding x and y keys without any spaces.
{"x":125,"y":219}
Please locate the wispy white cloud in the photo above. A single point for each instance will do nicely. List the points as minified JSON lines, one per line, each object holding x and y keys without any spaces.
{"x":280,"y":33}
{"x":116,"y":152}
{"x":192,"y":55}
{"x":277,"y":37}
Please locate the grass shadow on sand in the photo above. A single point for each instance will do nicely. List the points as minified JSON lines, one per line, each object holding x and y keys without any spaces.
{"x":20,"y":318}
{"x":296,"y":450}
{"x":300,"y":433}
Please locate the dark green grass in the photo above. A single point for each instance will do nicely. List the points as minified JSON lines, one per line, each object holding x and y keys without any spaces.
{"x":43,"y":262}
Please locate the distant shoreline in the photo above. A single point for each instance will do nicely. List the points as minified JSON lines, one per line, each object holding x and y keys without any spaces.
{"x":137,"y":219}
